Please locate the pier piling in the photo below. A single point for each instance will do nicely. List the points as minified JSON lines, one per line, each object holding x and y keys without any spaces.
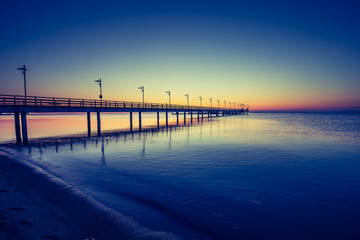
{"x":98,"y":123}
{"x":139,"y":121}
{"x":177,"y":118}
{"x":17,"y":128}
{"x":24,"y":128}
{"x":167,"y":119}
{"x":131,"y":121}
{"x":88,"y":124}
{"x":158,"y":119}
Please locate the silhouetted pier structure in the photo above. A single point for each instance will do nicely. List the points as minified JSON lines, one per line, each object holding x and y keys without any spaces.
{"x":21,"y":105}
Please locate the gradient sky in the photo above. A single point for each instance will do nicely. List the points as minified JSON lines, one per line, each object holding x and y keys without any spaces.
{"x":271,"y":55}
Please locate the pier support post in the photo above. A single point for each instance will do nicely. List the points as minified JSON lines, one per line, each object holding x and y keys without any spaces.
{"x":167,"y":119}
{"x":223,"y":113}
{"x":17,"y":128}
{"x":88,"y":124}
{"x":198,"y":116}
{"x":24,"y":128}
{"x":177,"y":118}
{"x":131,"y":121}
{"x":98,"y":123}
{"x":202,"y":116}
{"x":158,"y":119}
{"x":139,"y":121}
{"x":191,"y":117}
{"x":185,"y":118}
{"x":208,"y":114}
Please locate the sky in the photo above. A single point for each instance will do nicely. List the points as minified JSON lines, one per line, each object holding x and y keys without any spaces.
{"x":271,"y":55}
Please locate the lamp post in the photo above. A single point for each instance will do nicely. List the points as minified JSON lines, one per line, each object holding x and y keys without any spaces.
{"x":218,"y":103}
{"x":230,"y":104}
{"x":99,"y":81}
{"x":23,"y":69}
{"x":200,"y":102}
{"x":225,"y":103}
{"x":210,"y":99}
{"x":187,"y":98}
{"x":168,"y":92}
{"x":142,"y":90}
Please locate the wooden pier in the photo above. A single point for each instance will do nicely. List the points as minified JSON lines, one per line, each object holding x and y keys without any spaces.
{"x":20,"y":105}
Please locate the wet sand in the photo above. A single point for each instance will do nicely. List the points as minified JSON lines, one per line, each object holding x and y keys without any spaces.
{"x":24,"y":215}
{"x":37,"y":205}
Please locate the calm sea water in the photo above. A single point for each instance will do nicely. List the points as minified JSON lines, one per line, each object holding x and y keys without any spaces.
{"x":257,"y":176}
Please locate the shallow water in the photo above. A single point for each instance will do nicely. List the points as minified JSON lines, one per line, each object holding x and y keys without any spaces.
{"x":256,"y":176}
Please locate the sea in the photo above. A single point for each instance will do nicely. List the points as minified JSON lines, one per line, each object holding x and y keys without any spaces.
{"x":293,"y":175}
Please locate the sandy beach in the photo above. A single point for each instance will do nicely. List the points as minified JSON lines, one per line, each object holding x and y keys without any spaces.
{"x":37,"y":205}
{"x":24,"y":215}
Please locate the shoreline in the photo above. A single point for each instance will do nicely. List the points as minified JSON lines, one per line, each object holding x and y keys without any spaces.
{"x":36,"y":204}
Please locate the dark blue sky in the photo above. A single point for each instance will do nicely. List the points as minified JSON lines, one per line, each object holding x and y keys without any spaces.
{"x":332,"y":20}
{"x":289,"y":45}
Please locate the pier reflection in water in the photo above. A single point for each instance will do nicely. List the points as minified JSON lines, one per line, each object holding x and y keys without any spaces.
{"x":73,"y":143}
{"x":260,"y":176}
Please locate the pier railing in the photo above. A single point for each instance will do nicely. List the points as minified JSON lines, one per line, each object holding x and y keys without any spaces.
{"x":37,"y":101}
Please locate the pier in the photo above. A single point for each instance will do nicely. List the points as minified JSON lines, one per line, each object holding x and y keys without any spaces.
{"x":20,"y":106}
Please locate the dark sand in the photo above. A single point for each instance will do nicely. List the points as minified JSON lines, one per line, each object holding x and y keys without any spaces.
{"x":24,"y":215}
{"x":37,"y":205}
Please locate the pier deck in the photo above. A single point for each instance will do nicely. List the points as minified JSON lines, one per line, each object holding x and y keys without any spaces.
{"x":20,"y":105}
